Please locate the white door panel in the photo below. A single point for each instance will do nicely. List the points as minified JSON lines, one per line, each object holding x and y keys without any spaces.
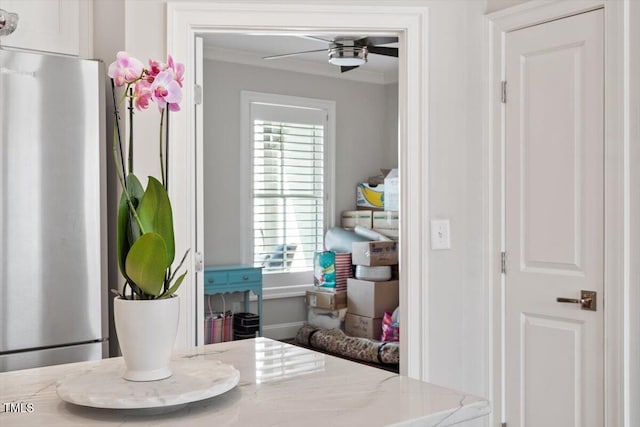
{"x":554,"y":222}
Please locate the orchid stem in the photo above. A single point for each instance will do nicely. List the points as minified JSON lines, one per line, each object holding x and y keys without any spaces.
{"x":117,"y":126}
{"x":161,"y":156}
{"x":166,"y":152}
{"x":130,"y":130}
{"x":132,"y":209}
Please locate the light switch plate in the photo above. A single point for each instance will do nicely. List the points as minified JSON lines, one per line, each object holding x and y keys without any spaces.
{"x":440,"y":234}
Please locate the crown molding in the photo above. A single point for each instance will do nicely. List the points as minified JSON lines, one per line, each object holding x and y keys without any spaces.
{"x":286,"y":64}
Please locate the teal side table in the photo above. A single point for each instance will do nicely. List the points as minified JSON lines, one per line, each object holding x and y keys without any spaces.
{"x":224,"y":279}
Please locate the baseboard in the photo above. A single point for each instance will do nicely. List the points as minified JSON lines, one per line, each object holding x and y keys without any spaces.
{"x":281,"y":331}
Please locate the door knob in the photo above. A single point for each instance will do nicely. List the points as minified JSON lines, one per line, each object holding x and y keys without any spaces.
{"x":587,"y":300}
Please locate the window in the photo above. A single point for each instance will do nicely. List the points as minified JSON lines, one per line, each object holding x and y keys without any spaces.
{"x":289,"y":154}
{"x":288,"y":194}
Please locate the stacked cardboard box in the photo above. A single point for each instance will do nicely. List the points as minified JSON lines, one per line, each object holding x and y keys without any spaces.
{"x":386,"y":223}
{"x":327,"y":302}
{"x":363,"y":218}
{"x":326,"y":309}
{"x":368,"y":300}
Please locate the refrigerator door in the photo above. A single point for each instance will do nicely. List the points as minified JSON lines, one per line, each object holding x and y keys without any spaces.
{"x":53,"y":356}
{"x":51,"y":269}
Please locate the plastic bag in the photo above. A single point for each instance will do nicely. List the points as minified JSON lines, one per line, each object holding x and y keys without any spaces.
{"x":390,"y":329}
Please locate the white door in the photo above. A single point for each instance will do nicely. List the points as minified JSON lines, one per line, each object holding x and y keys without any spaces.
{"x":554,"y":223}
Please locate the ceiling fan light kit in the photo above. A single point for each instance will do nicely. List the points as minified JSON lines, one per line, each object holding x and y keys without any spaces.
{"x":347,"y":56}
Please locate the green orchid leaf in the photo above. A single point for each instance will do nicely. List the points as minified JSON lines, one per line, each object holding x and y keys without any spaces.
{"x":128,"y":230}
{"x":155,"y":215}
{"x":146,"y":263}
{"x":175,"y":286}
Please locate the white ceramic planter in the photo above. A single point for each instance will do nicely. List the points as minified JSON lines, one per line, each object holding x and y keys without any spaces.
{"x":146,"y":333}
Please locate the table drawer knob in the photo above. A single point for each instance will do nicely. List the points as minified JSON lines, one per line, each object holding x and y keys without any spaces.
{"x":211,"y":280}
{"x":245,"y":277}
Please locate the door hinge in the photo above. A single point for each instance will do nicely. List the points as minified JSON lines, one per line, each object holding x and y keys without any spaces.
{"x":199,"y":263}
{"x":503,"y":262}
{"x":503,"y":92}
{"x":197,"y":94}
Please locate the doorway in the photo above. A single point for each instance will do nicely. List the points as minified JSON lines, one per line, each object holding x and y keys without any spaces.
{"x":297,"y":88}
{"x":411,"y":24}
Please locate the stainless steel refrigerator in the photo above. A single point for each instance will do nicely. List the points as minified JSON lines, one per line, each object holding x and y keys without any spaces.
{"x":53,"y":296}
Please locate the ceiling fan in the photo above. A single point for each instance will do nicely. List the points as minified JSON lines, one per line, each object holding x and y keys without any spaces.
{"x":349,"y":53}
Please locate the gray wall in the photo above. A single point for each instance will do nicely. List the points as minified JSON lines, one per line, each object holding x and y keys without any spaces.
{"x":366,"y":140}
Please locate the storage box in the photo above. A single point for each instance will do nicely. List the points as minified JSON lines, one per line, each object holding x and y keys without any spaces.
{"x":352,"y":218}
{"x":369,"y":196}
{"x":329,"y":301}
{"x":326,"y":319}
{"x":372,"y":299}
{"x":362,"y":326}
{"x":391,"y":194}
{"x":385,"y":220}
{"x":246,"y":320}
{"x":374,"y":253}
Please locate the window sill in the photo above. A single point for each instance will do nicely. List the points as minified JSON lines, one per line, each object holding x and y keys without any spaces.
{"x":277,"y":292}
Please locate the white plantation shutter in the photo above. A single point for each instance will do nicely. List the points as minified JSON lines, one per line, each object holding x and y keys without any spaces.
{"x":288,"y":186}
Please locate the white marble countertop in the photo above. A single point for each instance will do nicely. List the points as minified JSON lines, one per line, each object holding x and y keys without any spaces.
{"x":280,"y":385}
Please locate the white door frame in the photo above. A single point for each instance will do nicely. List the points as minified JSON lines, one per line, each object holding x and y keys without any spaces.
{"x":186,"y":19}
{"x":617,"y":182}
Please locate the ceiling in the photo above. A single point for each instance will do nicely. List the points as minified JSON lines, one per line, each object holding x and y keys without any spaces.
{"x":251,"y":48}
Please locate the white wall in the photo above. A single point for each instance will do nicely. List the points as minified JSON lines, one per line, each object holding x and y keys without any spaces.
{"x":633,"y":217}
{"x":495,"y":5}
{"x":108,"y":27}
{"x":458,"y":334}
{"x":363,"y":141}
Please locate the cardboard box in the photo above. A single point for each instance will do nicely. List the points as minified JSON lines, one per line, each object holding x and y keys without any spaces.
{"x":369,"y":196}
{"x":326,"y":300}
{"x":326,"y":319}
{"x":362,"y":326}
{"x":391,"y":193}
{"x":383,"y":220}
{"x":372,"y":299}
{"x":363,"y":218}
{"x":374,"y":253}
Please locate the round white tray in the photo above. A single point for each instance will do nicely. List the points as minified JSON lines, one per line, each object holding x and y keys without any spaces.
{"x":192,"y":380}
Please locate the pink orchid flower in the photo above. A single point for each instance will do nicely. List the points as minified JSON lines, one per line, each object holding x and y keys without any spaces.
{"x":155,"y":68}
{"x":165,"y":90}
{"x":125,"y":69}
{"x":142,"y":94}
{"x":177,"y":68}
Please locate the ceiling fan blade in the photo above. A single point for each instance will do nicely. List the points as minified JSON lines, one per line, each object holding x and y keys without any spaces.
{"x":344,"y":69}
{"x":373,"y":41}
{"x":293,"y":54}
{"x":316,"y":38}
{"x":382,"y":50}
